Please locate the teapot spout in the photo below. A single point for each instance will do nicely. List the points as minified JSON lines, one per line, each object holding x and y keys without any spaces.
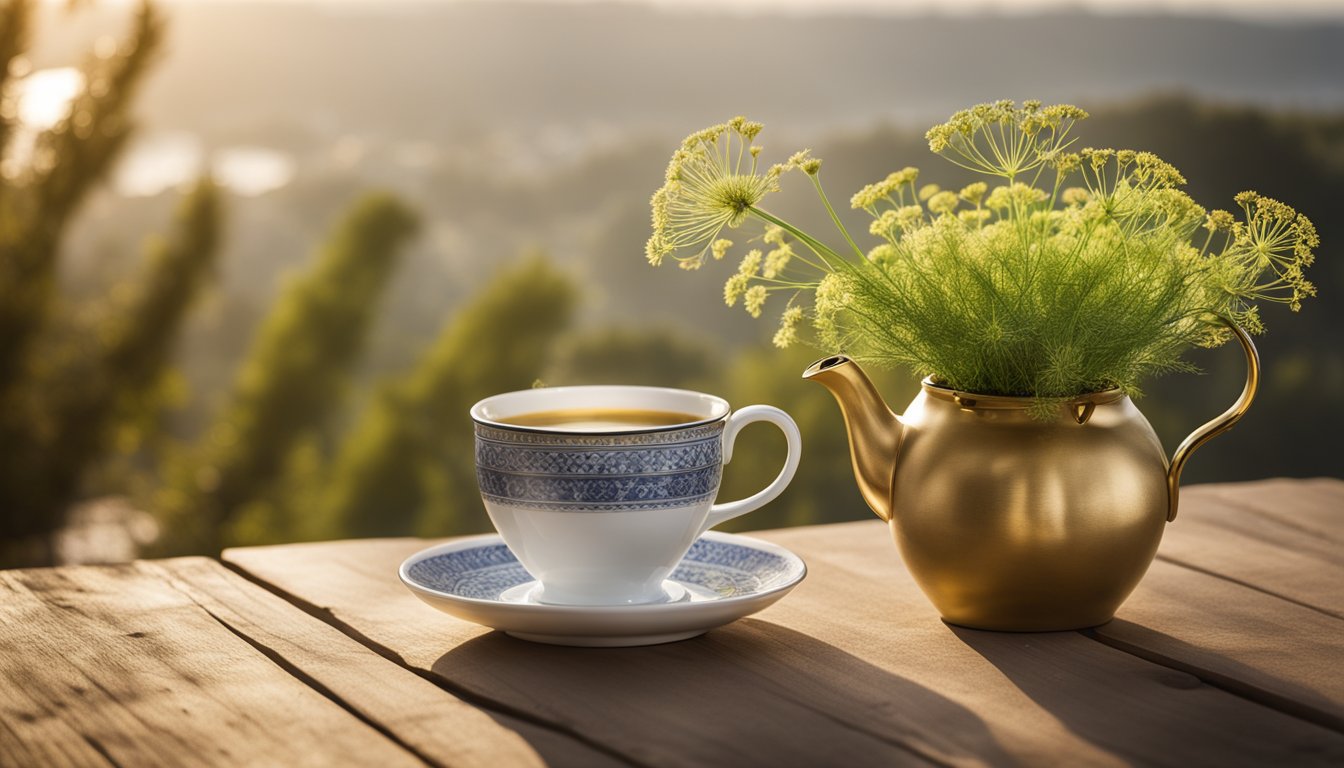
{"x":874,"y":431}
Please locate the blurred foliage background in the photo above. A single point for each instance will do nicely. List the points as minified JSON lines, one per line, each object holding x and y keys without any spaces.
{"x":352,"y":249}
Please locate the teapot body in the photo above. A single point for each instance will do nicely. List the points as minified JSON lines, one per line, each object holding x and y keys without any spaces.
{"x":1022,"y":521}
{"x":1014,"y":513}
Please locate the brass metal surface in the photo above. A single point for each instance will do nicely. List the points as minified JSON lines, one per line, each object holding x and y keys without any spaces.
{"x":1219,"y":425}
{"x":874,"y":431}
{"x":1010,"y":521}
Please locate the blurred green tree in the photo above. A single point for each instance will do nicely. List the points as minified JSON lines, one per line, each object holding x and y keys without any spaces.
{"x":618,"y":355}
{"x":287,"y":388}
{"x":72,"y":382}
{"x":63,"y":163}
{"x":407,"y":465}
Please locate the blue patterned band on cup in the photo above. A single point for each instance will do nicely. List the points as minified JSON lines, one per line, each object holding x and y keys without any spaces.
{"x":600,"y":473}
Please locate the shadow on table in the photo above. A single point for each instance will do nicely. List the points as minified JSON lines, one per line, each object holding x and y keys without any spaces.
{"x":1170,"y":712}
{"x":1247,"y":682}
{"x":748,"y":694}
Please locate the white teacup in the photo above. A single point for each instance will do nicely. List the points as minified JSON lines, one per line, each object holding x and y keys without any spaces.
{"x":602,"y":514}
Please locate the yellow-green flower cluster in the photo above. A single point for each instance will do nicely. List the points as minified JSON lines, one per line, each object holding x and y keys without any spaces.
{"x":891,"y":189}
{"x":1075,"y":196}
{"x":777,"y":260}
{"x":787,"y":335}
{"x":1272,"y":246}
{"x":943,"y":203}
{"x":754,"y":300}
{"x":1074,"y":271}
{"x":1015,"y":197}
{"x":738,"y":283}
{"x":803,"y":161}
{"x":1218,"y":221}
{"x":974,"y":193}
{"x":711,"y":184}
{"x":1003,"y":139}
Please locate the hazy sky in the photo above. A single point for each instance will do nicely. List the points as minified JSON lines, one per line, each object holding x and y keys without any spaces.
{"x":1255,"y":8}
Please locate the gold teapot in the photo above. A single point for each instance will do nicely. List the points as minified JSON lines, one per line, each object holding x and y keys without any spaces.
{"x":1011,"y":521}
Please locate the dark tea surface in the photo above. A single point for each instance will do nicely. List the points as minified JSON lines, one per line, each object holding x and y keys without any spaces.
{"x":600,"y":419}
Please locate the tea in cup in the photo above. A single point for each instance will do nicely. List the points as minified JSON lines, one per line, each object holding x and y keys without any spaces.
{"x":599,"y":491}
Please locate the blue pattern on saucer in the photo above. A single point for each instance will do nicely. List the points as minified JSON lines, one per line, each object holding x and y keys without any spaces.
{"x":725,"y":569}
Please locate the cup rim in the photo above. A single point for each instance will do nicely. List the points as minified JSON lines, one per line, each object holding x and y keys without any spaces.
{"x":719,"y":409}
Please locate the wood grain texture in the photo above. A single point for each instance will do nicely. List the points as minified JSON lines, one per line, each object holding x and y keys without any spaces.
{"x":1253,"y":644}
{"x":33,"y":733}
{"x":557,"y":746}
{"x":696,"y":703}
{"x":436,"y":726}
{"x":1244,"y":594}
{"x":1140,"y":712}
{"x":1285,"y":537}
{"x":112,"y":666}
{"x":853,"y":667}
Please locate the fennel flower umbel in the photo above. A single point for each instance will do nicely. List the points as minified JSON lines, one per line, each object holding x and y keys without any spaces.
{"x":711,"y":184}
{"x":1064,"y":272}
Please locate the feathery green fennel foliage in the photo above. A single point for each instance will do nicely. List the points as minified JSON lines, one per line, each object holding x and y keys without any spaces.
{"x":1066,"y":272}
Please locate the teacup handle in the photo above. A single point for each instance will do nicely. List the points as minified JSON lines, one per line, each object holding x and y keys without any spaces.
{"x":741,"y":418}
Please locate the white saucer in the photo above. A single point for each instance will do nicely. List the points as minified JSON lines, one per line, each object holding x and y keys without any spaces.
{"x":723,"y":578}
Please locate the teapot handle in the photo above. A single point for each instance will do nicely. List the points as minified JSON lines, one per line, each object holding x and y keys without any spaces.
{"x":1219,"y":425}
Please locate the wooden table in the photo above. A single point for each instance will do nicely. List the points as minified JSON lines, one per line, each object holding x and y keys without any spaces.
{"x":1229,"y":653}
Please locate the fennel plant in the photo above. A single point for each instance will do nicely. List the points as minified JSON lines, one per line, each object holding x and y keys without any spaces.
{"x":1066,"y":272}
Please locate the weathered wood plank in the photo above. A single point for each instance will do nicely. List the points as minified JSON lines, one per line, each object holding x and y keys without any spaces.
{"x":436,"y":726}
{"x":1138,"y":711}
{"x":853,"y":667}
{"x":612,"y":697}
{"x":1285,"y":537}
{"x":646,"y":703}
{"x":1313,"y":504}
{"x":555,"y":748}
{"x":30,"y":734}
{"x":1247,"y":593}
{"x":1257,"y":645}
{"x":114,"y":662}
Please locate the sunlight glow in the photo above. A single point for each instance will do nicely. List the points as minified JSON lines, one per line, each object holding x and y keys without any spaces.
{"x":251,"y":171}
{"x":45,"y":96}
{"x":158,"y":162}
